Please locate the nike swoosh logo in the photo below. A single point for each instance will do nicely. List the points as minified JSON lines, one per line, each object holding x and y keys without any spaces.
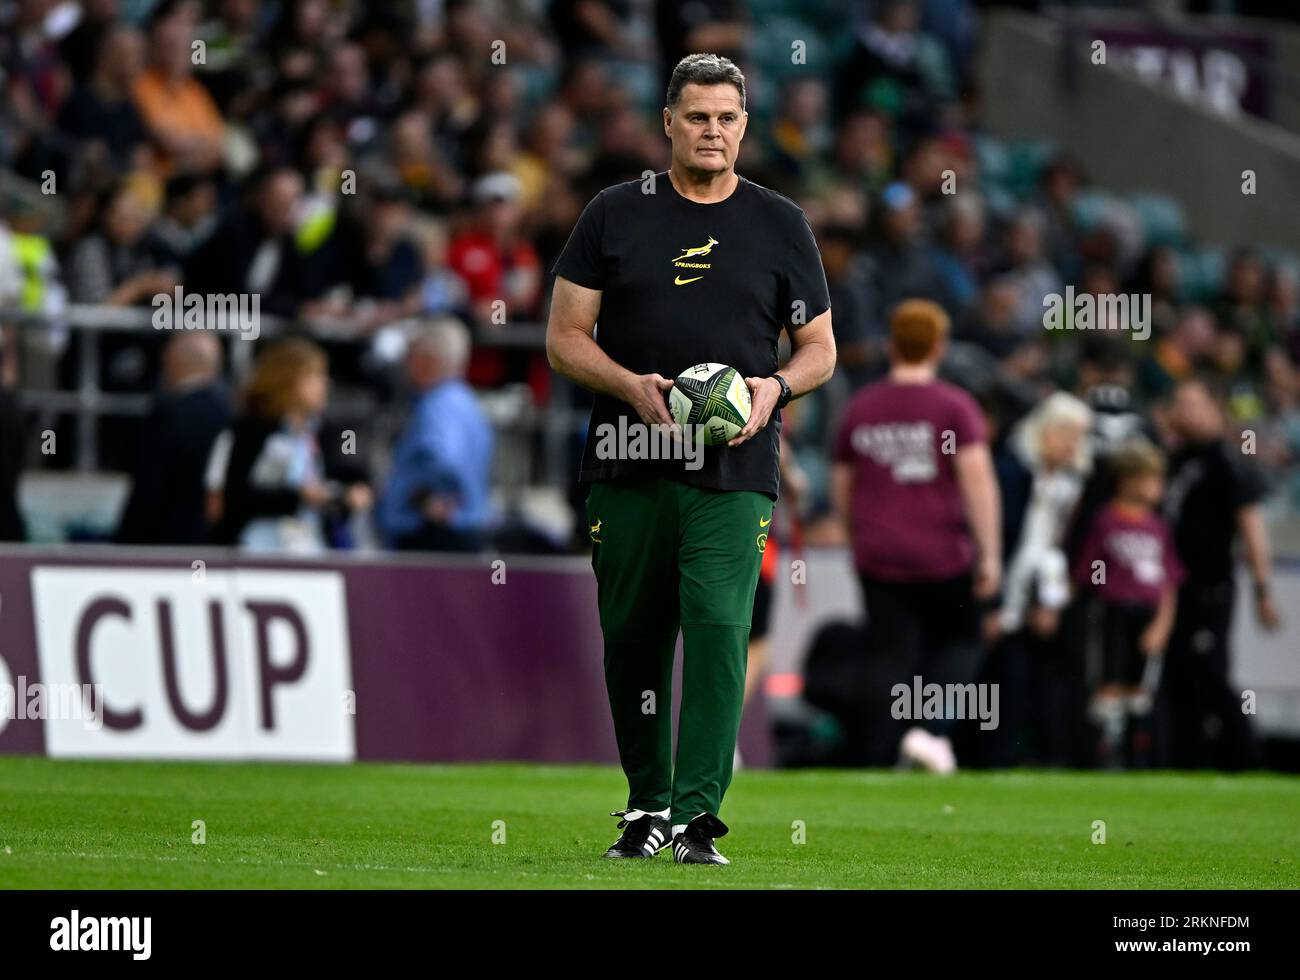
{"x":764,"y":523}
{"x":679,"y":281}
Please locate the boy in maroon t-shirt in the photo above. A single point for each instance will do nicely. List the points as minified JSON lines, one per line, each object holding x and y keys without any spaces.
{"x":913,"y":480}
{"x":1129,"y":564}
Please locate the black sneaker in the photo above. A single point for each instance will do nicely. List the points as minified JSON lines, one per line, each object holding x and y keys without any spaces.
{"x":694,"y":845}
{"x":644,"y":835}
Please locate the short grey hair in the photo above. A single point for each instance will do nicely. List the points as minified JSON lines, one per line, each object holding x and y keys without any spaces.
{"x":704,"y":69}
{"x":445,"y":340}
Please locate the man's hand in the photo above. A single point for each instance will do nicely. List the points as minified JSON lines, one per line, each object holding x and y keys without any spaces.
{"x":764,"y":393}
{"x":645,"y":393}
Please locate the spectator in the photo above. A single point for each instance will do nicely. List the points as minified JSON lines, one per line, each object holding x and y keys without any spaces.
{"x":1058,"y":188}
{"x":960,"y":257}
{"x":167,"y":500}
{"x":432,"y":184}
{"x":347,"y":97}
{"x":593,"y":27}
{"x":800,"y":134}
{"x":902,"y":266}
{"x":1130,"y":570}
{"x":862,"y":155}
{"x":1214,"y":497}
{"x":230,"y":66}
{"x":547,"y":155}
{"x":31,"y":277}
{"x":437,"y":494}
{"x":686,"y":26}
{"x":895,"y":65}
{"x":992,"y":327}
{"x":189,"y":217}
{"x":118,"y":264}
{"x":444,"y":94}
{"x":859,"y":343}
{"x":1158,"y":275}
{"x":254,"y":250}
{"x":83,"y":48}
{"x":180,"y":114}
{"x":381,"y":263}
{"x":101,"y":112}
{"x":914,"y":480}
{"x":1026,"y":265}
{"x":493,"y":257}
{"x":1242,"y":306}
{"x":266,"y":481}
{"x":442,"y":292}
{"x":1187,"y":349}
{"x":1041,"y":469}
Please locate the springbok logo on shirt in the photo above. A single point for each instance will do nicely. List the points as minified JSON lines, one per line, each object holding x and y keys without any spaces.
{"x":699,"y":251}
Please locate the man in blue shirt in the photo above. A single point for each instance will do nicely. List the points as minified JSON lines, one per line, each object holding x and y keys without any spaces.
{"x":437,"y":498}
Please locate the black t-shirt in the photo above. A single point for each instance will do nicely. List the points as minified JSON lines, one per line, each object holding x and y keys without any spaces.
{"x":752,"y":268}
{"x":1208,"y":484}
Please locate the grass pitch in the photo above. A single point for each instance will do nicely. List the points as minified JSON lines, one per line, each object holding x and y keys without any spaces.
{"x":131,"y":825}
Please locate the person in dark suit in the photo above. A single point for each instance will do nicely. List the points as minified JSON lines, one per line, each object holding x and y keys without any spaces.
{"x":253,"y":251}
{"x":167,"y":499}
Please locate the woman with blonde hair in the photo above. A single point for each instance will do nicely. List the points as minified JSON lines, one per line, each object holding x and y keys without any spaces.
{"x":1052,"y":449}
{"x":1041,"y":471}
{"x":266,"y":479}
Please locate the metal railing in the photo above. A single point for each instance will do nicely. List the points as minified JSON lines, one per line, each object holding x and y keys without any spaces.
{"x":515,"y":418}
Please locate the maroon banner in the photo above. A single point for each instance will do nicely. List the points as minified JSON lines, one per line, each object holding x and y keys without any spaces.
{"x":171,"y":653}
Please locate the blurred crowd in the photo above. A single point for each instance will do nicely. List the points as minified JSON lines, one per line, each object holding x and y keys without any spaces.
{"x":367,"y":168}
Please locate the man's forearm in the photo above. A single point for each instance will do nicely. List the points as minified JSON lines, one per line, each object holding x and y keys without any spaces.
{"x":810,"y":366}
{"x":579,"y":358}
{"x":979,"y":490}
{"x":982,"y":507}
{"x":1251,"y":522}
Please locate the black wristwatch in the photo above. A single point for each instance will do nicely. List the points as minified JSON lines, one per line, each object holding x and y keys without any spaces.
{"x":786,"y":393}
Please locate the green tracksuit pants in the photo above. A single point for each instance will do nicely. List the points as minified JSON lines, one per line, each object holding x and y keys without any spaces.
{"x":672,"y":557}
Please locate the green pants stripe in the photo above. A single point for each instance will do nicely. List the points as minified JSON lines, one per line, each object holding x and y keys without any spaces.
{"x":672,"y":557}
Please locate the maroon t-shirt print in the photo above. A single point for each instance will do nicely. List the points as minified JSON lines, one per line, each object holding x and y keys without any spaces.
{"x":1138,"y":556}
{"x":906,"y":510}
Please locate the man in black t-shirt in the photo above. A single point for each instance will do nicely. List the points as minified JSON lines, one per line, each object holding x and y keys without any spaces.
{"x":1212,"y":496}
{"x":693,"y":265}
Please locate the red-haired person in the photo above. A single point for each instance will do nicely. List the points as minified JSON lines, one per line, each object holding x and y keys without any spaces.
{"x":914,"y":480}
